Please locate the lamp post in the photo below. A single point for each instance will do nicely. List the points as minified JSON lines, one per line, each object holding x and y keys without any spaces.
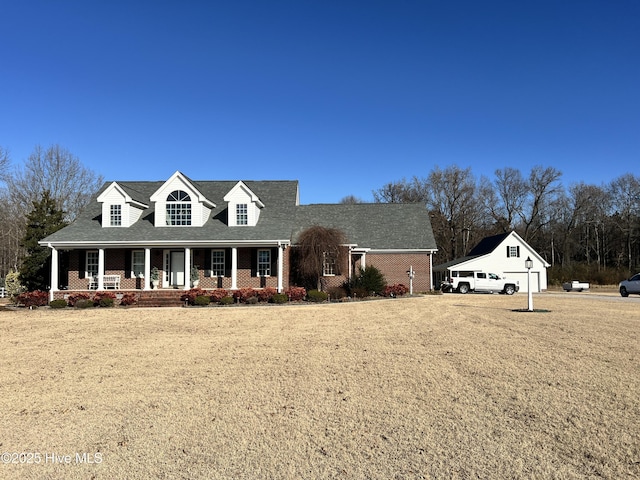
{"x":529,"y":264}
{"x":411,"y":273}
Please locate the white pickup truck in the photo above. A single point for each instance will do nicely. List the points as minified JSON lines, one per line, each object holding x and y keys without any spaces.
{"x":467,"y":281}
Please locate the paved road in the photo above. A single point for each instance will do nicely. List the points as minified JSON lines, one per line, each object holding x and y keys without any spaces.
{"x":606,"y":295}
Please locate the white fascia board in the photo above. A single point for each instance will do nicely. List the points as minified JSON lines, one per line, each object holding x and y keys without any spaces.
{"x":241,"y":186}
{"x":166,"y":243}
{"x":401,"y":250}
{"x":466,"y":263}
{"x":188,"y":185}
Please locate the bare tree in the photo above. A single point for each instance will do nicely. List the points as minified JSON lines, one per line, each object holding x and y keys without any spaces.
{"x":5,"y":162}
{"x":451,"y":199}
{"x":625,"y":196}
{"x":351,"y":199}
{"x":543,"y":189}
{"x":401,"y":191}
{"x":504,"y":198}
{"x":58,"y":171}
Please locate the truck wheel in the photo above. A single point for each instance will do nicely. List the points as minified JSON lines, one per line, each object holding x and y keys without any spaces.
{"x":509,"y":289}
{"x":463,"y":288}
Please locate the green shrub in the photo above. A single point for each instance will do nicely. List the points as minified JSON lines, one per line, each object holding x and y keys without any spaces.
{"x":228,"y":300}
{"x":106,"y":302}
{"x":252,"y":300}
{"x":369,"y":280}
{"x":202,"y":300}
{"x":84,"y":303}
{"x":336,"y":293}
{"x":359,"y":292}
{"x":279,"y":298}
{"x":317,"y":296}
{"x":58,"y":303}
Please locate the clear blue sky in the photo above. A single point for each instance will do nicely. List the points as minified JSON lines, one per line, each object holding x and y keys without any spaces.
{"x":344,"y":96}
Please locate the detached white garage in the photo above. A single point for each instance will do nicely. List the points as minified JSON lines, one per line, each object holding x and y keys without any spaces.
{"x":504,"y":254}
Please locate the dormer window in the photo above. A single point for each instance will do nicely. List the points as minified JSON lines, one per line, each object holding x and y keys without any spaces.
{"x":244,"y":206}
{"x":242,"y":214}
{"x":115,"y":215}
{"x":178,"y":208}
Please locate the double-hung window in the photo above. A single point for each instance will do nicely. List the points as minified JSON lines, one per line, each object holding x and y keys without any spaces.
{"x":137,"y":263}
{"x":328,"y":264}
{"x":242,"y":214}
{"x":178,"y":208}
{"x":115,"y":215}
{"x":513,"y":251}
{"x":264,"y":263}
{"x":217,"y":263}
{"x":92,"y":263}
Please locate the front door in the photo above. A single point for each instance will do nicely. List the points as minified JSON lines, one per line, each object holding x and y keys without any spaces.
{"x":176,"y":269}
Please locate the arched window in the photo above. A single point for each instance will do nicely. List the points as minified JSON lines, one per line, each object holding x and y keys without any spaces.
{"x":178,"y":208}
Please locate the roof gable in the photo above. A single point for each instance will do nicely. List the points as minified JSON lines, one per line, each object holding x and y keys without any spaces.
{"x":179,"y":181}
{"x":487,"y":245}
{"x":123,"y":193}
{"x":241,"y":188}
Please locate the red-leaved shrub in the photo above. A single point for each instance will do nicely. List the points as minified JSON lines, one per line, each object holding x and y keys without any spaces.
{"x":396,"y":290}
{"x":74,"y":297}
{"x":129,"y":299}
{"x":295,"y":293}
{"x":190,"y":295}
{"x":37,"y":298}
{"x":266,"y":294}
{"x":218,"y":294}
{"x":244,"y":294}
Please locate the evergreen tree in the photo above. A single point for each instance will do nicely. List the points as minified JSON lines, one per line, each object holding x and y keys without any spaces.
{"x":43,"y":220}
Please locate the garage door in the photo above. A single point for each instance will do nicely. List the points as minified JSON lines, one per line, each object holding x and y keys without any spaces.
{"x":522,"y":278}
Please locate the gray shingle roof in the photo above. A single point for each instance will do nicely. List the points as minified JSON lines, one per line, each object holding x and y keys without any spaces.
{"x":377,"y":226}
{"x":372,"y":225}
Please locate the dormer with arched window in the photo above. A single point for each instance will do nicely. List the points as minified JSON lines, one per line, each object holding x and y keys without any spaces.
{"x":178,"y":203}
{"x":178,"y":208}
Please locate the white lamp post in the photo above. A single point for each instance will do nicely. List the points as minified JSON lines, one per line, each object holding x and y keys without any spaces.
{"x":411,"y":273}
{"x":529,"y":265}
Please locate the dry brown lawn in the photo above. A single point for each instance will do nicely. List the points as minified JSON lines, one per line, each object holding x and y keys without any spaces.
{"x":453,"y":386}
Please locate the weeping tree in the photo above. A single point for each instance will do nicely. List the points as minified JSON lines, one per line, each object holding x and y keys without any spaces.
{"x":317,"y":248}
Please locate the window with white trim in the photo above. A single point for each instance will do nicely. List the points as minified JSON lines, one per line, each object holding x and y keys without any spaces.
{"x":115,"y":215}
{"x":513,"y":251}
{"x":264,"y":263}
{"x":217,"y":263}
{"x":328,"y":264}
{"x":178,"y":208}
{"x":92,"y":263}
{"x":242,"y":214}
{"x":137,"y":263}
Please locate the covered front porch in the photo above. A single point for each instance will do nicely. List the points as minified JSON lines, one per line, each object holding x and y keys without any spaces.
{"x":169,"y":267}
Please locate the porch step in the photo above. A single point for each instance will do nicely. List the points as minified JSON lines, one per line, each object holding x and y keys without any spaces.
{"x":160,"y":298}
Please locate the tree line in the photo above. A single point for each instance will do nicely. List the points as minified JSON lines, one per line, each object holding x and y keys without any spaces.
{"x":588,"y":231}
{"x":592,"y":231}
{"x":44,"y":193}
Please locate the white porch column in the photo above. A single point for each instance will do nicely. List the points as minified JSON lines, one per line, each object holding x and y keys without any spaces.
{"x":187,"y":268}
{"x":101,"y":269}
{"x":363,"y":261}
{"x":280,"y":267}
{"x":234,"y":268}
{"x":147,"y":269}
{"x":54,"y":272}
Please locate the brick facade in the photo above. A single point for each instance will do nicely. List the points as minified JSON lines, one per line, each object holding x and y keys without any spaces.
{"x":116,"y":264}
{"x":394,"y":266}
